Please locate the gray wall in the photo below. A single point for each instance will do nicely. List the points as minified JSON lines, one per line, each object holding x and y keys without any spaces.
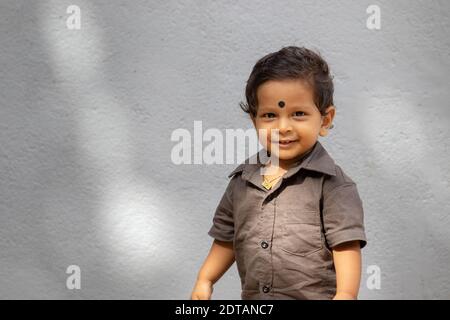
{"x":86,"y":117}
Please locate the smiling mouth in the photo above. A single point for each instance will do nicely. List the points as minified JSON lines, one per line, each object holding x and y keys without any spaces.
{"x":285,"y":142}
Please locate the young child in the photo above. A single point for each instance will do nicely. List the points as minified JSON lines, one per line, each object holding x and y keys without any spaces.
{"x":296,"y":233}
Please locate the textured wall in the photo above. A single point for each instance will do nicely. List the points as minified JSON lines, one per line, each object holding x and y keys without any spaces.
{"x":86,"y":117}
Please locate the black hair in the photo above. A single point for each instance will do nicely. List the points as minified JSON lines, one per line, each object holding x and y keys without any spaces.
{"x":291,"y":63}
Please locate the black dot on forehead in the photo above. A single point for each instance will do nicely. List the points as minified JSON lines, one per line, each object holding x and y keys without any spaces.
{"x":281,"y":104}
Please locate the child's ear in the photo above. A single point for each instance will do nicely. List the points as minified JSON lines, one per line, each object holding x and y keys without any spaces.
{"x":327,"y":120}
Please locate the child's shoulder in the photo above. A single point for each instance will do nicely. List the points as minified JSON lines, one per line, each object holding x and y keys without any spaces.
{"x":340,"y":179}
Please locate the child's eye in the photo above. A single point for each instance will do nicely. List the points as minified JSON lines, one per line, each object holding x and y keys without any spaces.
{"x":268,"y":115}
{"x":299,"y":113}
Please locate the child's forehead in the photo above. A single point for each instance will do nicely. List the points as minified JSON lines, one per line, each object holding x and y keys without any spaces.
{"x":273,"y":92}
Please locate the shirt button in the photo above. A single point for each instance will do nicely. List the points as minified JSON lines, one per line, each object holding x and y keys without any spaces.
{"x":264,"y":245}
{"x":266,"y":289}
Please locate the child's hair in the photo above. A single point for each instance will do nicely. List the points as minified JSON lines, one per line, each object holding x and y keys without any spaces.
{"x":291,"y":63}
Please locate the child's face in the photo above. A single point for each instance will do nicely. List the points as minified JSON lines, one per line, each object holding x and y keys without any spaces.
{"x":298,"y":120}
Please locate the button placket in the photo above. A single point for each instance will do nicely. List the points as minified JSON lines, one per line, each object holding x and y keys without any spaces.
{"x":264,"y":243}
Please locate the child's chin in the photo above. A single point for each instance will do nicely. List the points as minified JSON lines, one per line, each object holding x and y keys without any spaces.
{"x":287,"y":155}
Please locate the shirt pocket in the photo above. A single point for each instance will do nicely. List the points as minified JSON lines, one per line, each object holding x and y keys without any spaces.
{"x":301,"y":232}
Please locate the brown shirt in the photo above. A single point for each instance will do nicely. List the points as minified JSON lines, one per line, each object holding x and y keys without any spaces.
{"x":283,"y":236}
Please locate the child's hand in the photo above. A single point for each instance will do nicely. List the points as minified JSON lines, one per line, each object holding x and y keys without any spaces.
{"x":344,"y":296}
{"x":202,"y":291}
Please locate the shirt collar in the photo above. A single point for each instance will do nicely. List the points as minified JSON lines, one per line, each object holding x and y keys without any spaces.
{"x":317,"y":159}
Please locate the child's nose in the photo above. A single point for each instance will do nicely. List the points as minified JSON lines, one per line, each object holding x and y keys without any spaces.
{"x":284,"y":125}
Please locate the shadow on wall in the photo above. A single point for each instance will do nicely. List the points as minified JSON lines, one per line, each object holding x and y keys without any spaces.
{"x":74,"y":195}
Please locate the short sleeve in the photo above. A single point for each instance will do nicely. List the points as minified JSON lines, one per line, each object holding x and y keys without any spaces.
{"x":223,"y":223}
{"x":343,"y":215}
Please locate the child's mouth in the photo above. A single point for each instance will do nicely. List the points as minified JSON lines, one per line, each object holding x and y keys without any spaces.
{"x":285,"y":143}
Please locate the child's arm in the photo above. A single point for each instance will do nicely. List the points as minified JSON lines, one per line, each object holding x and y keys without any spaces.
{"x":219,"y":260}
{"x":347,"y":261}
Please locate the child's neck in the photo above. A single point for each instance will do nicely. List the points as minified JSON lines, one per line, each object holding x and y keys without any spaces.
{"x":277,"y":170}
